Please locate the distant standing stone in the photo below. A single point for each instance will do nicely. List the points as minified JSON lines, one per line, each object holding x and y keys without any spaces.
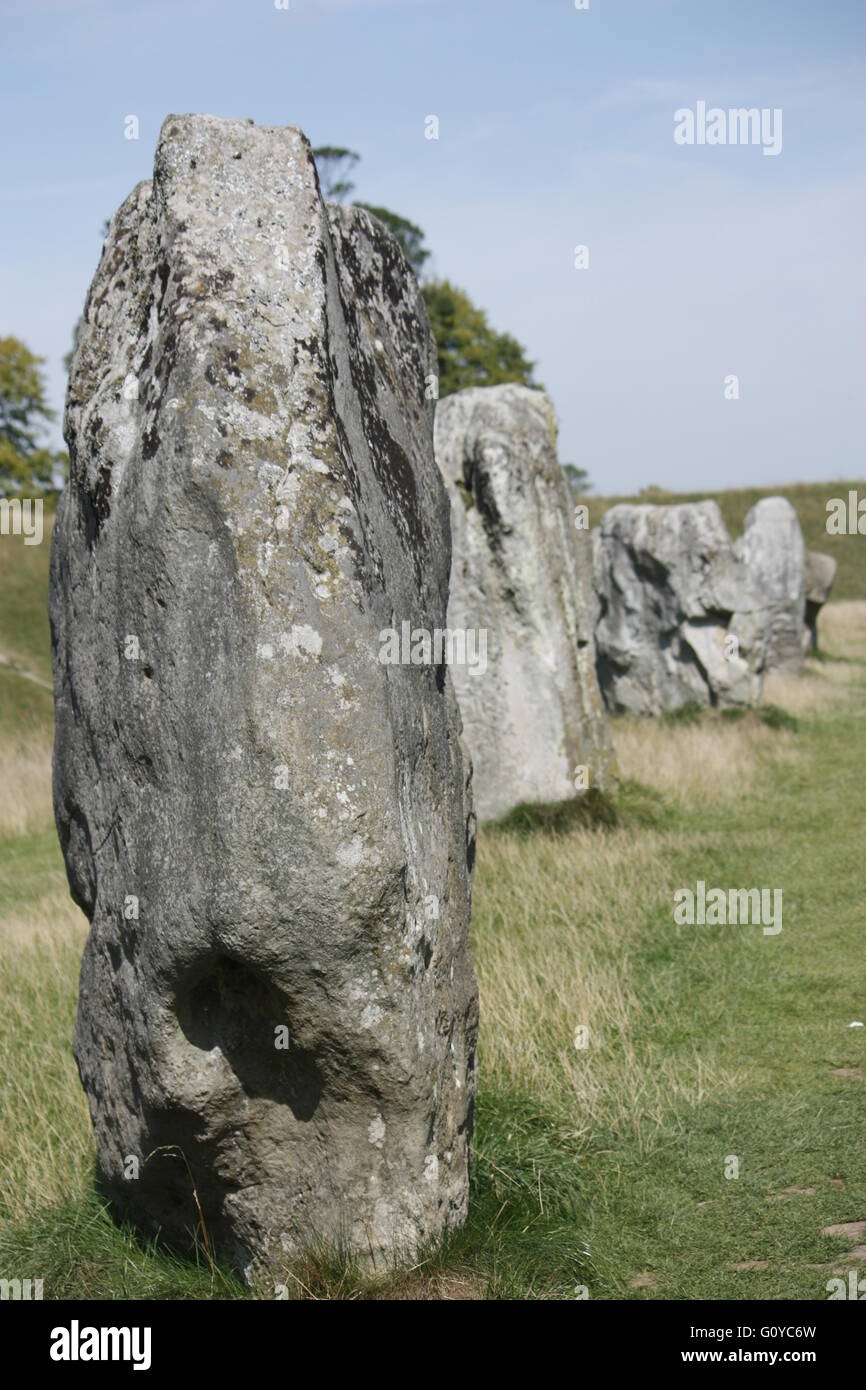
{"x":820,"y":577}
{"x":774,"y":554}
{"x":679,"y":622}
{"x":521,"y":575}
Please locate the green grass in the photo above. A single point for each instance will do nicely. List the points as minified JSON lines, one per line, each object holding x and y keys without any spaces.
{"x":26,"y":706}
{"x":24,"y":632}
{"x":808,"y":499}
{"x":772,"y":1010}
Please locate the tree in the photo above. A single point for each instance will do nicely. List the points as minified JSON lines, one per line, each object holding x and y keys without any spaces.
{"x":68,"y":356}
{"x":409,"y":235}
{"x":578,"y":479}
{"x":335,"y":163}
{"x":25,"y":464}
{"x":471,"y":353}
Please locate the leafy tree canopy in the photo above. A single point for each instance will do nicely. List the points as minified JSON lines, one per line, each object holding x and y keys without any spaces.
{"x":334,"y":164}
{"x":471,"y":353}
{"x":25,"y":464}
{"x":578,"y":479}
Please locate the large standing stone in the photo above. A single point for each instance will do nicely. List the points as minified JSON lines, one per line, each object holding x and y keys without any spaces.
{"x":268,"y":828}
{"x":522,"y":576}
{"x":820,"y":577}
{"x":774,"y":554}
{"x":679,"y":622}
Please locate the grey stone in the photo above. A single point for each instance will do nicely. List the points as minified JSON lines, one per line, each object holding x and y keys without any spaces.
{"x":819,"y":579}
{"x":268,"y":828}
{"x":679,"y":622}
{"x":522,"y":575}
{"x":772,"y":549}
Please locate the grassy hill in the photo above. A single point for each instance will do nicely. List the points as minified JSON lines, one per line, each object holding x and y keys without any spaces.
{"x":808,"y":499}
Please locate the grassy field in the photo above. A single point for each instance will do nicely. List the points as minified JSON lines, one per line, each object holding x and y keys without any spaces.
{"x":598,"y":1170}
{"x":808,"y":499}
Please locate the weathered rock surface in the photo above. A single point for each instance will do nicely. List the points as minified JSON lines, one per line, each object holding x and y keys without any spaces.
{"x":819,"y":580}
{"x":522,"y":575}
{"x":772,"y":549}
{"x":679,"y":622}
{"x":269,"y":829}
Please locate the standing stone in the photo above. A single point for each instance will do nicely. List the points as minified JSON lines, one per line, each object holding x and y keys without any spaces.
{"x":679,"y":622}
{"x":268,"y":828}
{"x":521,"y":582}
{"x":773,"y":552}
{"x":820,"y":576}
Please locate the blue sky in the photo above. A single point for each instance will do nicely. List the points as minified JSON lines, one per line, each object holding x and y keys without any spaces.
{"x":555,"y":129}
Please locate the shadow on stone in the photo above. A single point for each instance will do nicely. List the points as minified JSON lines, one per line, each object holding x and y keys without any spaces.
{"x":231,"y":1007}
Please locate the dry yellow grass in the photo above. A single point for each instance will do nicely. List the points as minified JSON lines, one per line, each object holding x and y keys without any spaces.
{"x":45,"y":1159}
{"x":822,"y":685}
{"x":552,"y":950}
{"x":52,"y":921}
{"x":813,"y":689}
{"x":842,"y":627}
{"x":717,"y":761}
{"x":711,"y":760}
{"x":48,"y":1158}
{"x":25,"y":779}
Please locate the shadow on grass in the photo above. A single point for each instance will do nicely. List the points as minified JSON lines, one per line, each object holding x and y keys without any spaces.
{"x":81,"y":1252}
{"x":689,"y":713}
{"x":770,"y":716}
{"x":635,"y":804}
{"x":692,"y":713}
{"x":824,"y":658}
{"x":775,"y":718}
{"x":522,"y":1238}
